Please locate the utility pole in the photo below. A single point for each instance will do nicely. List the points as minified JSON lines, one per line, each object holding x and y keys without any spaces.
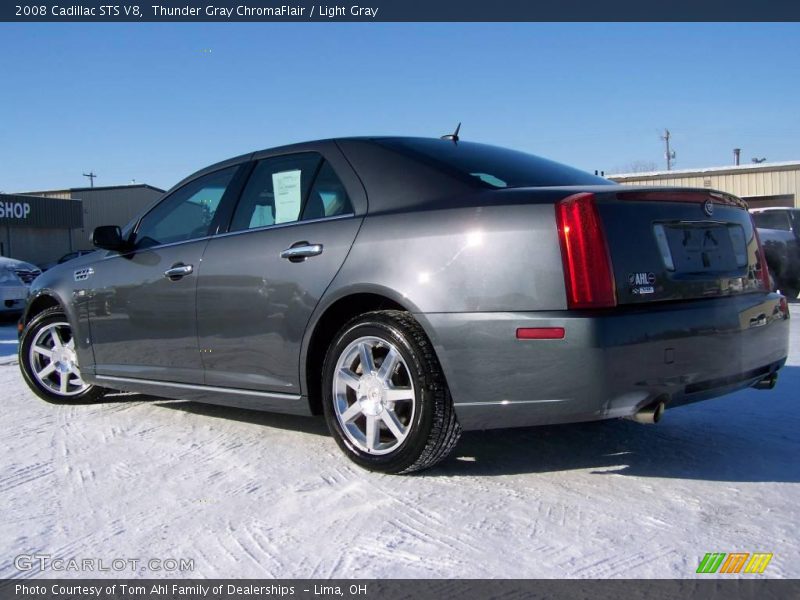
{"x":669,"y":154}
{"x":91,"y":175}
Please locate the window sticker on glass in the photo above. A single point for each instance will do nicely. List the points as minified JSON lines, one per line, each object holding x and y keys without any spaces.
{"x":288,"y":196}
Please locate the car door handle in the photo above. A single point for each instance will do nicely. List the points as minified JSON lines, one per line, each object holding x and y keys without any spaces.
{"x":178,"y":271}
{"x":301,"y":250}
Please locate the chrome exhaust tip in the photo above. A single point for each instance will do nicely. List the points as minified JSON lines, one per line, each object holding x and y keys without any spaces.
{"x":650,"y":414}
{"x":767,"y":383}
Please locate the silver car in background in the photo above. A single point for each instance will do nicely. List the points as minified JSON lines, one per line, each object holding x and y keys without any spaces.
{"x":407,"y":288}
{"x":15,"y":279}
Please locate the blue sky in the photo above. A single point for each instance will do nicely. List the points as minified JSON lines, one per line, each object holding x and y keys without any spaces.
{"x":154,"y":102}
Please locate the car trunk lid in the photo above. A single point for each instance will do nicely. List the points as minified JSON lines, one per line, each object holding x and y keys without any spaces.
{"x":674,"y":244}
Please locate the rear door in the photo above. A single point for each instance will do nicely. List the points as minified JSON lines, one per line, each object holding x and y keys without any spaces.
{"x":289,"y":235}
{"x":142,"y":303}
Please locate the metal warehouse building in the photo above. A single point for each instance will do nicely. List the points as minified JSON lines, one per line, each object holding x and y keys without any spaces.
{"x":761,"y":185}
{"x":36,"y":229}
{"x":42,"y":226}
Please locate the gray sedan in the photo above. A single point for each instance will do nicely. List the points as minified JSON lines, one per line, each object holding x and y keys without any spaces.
{"x":407,"y":288}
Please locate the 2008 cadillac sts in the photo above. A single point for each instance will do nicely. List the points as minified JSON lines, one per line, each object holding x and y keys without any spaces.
{"x":408,"y":288}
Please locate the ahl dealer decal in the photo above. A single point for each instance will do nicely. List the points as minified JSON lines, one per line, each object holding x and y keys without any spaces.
{"x":642,"y":283}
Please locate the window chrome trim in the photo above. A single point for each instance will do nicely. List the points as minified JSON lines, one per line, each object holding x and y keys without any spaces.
{"x":230,"y":233}
{"x":285,"y":225}
{"x":201,"y":388}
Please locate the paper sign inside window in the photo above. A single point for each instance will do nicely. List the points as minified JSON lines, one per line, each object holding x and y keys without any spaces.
{"x":286,"y":186}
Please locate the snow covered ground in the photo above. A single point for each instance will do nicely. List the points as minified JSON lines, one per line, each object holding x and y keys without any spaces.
{"x":247,"y":494}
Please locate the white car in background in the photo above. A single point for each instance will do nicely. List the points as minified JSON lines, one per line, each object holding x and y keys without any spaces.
{"x":16,"y":277}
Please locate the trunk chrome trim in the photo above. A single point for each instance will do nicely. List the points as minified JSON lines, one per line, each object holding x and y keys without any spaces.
{"x":201,"y":388}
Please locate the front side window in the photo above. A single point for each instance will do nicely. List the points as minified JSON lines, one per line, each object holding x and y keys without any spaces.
{"x":185,"y":214}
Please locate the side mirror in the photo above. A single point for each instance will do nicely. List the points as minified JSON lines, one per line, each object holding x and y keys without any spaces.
{"x":109,"y":237}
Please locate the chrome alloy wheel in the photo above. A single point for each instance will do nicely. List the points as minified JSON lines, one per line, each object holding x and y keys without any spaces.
{"x":374,"y":396}
{"x":53,"y":360}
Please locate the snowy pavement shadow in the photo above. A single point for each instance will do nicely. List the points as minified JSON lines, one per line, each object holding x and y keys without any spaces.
{"x":314,"y":425}
{"x":751,"y":436}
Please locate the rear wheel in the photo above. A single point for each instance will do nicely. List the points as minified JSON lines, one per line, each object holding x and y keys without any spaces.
{"x":385,"y":398}
{"x":49,"y":363}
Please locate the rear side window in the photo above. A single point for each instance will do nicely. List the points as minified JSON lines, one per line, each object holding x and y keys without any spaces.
{"x":773,"y":219}
{"x":286,"y":189}
{"x":491,"y":166}
{"x":327,"y":198}
{"x":275,"y":192}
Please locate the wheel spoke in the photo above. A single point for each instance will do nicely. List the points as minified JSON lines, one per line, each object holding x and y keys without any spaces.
{"x":373,"y":432}
{"x":64,"y":380}
{"x":71,"y":343}
{"x":365,"y":353}
{"x":397,"y":394}
{"x":352,"y":412}
{"x":77,"y":379}
{"x":388,"y":365}
{"x":57,"y":343}
{"x":43,"y":351}
{"x":393,"y":424}
{"x":46,"y":371}
{"x":349,"y":378}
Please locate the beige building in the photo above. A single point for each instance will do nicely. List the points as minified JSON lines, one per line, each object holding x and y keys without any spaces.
{"x":761,"y":185}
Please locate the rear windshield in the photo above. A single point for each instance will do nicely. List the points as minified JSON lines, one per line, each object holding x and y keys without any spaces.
{"x":773,"y":219}
{"x":491,"y":166}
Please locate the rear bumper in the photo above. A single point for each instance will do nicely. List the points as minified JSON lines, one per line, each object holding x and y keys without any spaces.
{"x":608,"y":364}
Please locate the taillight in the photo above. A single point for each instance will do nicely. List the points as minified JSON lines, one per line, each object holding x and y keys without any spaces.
{"x":587,"y":266}
{"x":763,"y":269}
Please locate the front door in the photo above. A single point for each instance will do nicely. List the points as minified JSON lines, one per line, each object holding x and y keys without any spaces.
{"x":143,"y":303}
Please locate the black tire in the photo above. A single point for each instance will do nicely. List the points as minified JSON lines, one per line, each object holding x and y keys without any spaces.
{"x":40,"y":322}
{"x":432,"y":428}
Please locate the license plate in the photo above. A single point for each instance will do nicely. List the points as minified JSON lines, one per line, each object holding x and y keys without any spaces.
{"x":697,"y":248}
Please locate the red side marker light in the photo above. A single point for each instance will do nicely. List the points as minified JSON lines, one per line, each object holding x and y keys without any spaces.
{"x":540,"y":333}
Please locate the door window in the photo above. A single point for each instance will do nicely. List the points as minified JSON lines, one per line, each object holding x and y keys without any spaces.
{"x":328,"y":198}
{"x":275,"y":192}
{"x":185,"y":214}
{"x":280,"y":191}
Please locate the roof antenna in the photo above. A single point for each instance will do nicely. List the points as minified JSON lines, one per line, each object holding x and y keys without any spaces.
{"x":453,"y":137}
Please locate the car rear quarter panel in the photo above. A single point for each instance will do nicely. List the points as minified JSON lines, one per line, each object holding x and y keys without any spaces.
{"x":496,"y":258}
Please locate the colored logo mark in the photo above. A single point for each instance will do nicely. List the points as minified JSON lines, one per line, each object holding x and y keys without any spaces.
{"x":736,"y":562}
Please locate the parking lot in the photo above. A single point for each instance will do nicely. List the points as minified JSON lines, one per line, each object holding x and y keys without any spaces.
{"x":245,"y":494}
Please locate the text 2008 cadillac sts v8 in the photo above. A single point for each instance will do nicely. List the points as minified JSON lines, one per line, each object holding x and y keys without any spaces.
{"x":409,"y":287}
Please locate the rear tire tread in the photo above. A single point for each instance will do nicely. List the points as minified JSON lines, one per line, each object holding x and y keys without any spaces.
{"x":445,"y":430}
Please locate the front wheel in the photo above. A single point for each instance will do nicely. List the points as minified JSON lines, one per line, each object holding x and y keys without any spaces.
{"x":49,"y":363}
{"x":385,"y":398}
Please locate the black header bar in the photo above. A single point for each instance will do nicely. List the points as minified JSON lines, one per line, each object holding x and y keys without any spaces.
{"x":277,"y":11}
